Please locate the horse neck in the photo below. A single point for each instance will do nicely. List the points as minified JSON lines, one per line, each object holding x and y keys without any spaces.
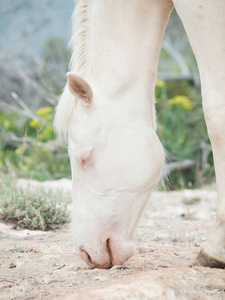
{"x":122,"y":45}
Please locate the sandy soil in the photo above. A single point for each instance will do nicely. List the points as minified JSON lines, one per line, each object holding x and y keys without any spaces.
{"x":44,"y":265}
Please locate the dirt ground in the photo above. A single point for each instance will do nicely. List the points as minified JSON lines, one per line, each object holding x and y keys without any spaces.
{"x":44,"y":265}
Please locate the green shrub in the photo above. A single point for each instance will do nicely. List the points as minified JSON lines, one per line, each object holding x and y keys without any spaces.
{"x":32,"y":210}
{"x":181,"y":128}
{"x":31,"y":150}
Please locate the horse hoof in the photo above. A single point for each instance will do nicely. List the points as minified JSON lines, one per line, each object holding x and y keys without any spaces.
{"x":206,"y":260}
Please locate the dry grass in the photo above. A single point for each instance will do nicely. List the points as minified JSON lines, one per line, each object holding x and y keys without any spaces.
{"x":31,"y":210}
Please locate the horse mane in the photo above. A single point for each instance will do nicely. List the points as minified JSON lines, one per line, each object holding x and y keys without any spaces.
{"x":78,"y":65}
{"x":78,"y":42}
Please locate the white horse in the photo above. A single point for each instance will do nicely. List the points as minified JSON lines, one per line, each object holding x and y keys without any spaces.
{"x":107,"y":112}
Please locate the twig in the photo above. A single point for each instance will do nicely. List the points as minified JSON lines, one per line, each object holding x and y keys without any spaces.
{"x":27,"y":113}
{"x":176,"y":55}
{"x":181,"y":165}
{"x":11,"y":137}
{"x":50,"y":98}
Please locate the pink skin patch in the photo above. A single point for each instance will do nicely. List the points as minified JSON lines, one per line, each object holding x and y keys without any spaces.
{"x":86,"y":158}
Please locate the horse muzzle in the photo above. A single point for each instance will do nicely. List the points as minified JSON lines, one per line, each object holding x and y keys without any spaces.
{"x":109,"y":254}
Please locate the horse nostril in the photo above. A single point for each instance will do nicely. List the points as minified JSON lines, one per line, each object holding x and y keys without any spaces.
{"x":89,"y":259}
{"x":109,"y":251}
{"x":86,"y":257}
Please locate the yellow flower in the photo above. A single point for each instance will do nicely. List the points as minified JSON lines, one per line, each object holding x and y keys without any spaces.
{"x":184,"y":101}
{"x":48,"y":130}
{"x":181,"y":141}
{"x":159,"y":83}
{"x":35,"y":123}
{"x":42,"y":111}
{"x":46,"y":133}
{"x":207,"y":165}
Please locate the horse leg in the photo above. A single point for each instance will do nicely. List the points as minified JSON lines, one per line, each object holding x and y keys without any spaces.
{"x":205,"y":26}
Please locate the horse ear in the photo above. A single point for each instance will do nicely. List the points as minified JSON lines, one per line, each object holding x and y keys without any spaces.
{"x":79,"y":88}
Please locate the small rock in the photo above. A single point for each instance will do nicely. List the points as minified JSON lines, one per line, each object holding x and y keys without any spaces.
{"x":119,"y":268}
{"x":12,"y":265}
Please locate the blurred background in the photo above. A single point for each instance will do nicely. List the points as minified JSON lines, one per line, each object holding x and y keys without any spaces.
{"x":34,"y":56}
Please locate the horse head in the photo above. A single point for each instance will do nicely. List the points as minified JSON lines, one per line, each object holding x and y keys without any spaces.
{"x":116,"y":161}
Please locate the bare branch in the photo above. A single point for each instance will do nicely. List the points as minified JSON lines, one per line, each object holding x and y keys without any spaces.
{"x":206,"y":150}
{"x":50,"y":98}
{"x":178,"y":57}
{"x":179,"y":165}
{"x":27,"y":113}
{"x":13,"y":140}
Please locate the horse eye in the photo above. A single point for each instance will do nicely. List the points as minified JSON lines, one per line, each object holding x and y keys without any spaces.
{"x":86,"y":158}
